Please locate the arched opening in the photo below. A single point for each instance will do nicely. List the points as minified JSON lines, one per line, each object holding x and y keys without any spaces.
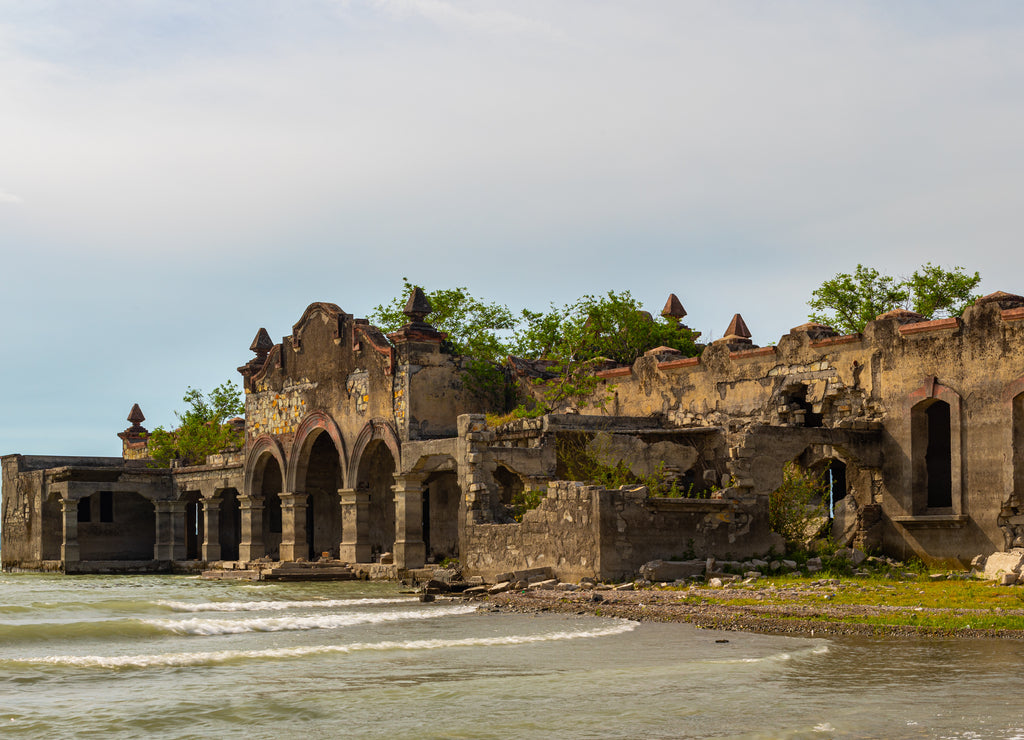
{"x":509,"y":485}
{"x":832,"y":474}
{"x":230,"y":525}
{"x":53,"y":527}
{"x":268,"y":486}
{"x":121,"y":526}
{"x":441,"y":494}
{"x":193,"y":525}
{"x":376,"y":476}
{"x":323,"y":507}
{"x":932,"y":454}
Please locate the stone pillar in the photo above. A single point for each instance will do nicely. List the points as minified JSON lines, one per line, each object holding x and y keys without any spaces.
{"x":163,"y":548}
{"x":410,"y":549}
{"x":211,"y":528}
{"x":178,"y":549}
{"x":69,"y":541}
{"x":355,"y":526}
{"x":293,"y":527}
{"x":252,"y":546}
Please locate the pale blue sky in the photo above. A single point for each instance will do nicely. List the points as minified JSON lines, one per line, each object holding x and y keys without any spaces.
{"x":174,"y":176}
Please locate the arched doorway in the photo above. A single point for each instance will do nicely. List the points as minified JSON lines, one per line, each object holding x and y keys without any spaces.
{"x":268,"y":485}
{"x":230,"y":525}
{"x":932,"y":453}
{"x":441,"y":494}
{"x":323,"y":507}
{"x":376,"y":476}
{"x":193,"y":525}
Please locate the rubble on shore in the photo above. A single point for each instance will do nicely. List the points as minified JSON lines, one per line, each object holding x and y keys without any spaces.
{"x":723,"y":595}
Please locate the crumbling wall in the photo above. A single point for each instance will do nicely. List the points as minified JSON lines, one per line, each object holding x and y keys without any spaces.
{"x":561,"y":534}
{"x":581,"y":530}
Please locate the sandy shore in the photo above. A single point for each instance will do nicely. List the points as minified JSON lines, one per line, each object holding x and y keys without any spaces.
{"x":680,"y":606}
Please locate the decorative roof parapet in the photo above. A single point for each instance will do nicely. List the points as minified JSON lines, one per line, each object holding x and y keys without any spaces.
{"x":950,"y":324}
{"x":1005,"y":300}
{"x":737,"y":335}
{"x":815,"y":331}
{"x":417,"y":308}
{"x":901,"y":316}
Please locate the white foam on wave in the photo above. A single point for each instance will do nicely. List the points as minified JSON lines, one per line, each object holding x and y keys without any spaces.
{"x":207,"y":627}
{"x":174,"y":660}
{"x":774,"y":657}
{"x":269,"y":606}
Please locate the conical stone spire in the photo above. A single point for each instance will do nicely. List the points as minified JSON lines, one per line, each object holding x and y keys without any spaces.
{"x":737,"y":329}
{"x":417,"y":308}
{"x":262,"y":344}
{"x":673,"y":309}
{"x":135,"y":416}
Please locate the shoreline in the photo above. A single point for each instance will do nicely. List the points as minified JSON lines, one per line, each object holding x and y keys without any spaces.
{"x":786,"y":619}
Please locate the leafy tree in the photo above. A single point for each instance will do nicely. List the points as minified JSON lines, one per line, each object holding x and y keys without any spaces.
{"x":611,"y":327}
{"x":475,"y":331}
{"x":202,"y":429}
{"x":847,"y":302}
{"x":573,"y":338}
{"x":797,"y":504}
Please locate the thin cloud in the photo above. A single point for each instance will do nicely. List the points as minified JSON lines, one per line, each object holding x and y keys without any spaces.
{"x":6,"y":197}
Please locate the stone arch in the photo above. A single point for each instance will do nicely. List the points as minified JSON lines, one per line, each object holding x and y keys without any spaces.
{"x":315,"y":423}
{"x":256,"y":460}
{"x":376,"y":458}
{"x":374,"y":429}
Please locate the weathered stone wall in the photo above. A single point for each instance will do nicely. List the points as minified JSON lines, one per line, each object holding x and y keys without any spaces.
{"x":581,"y":530}
{"x":561,"y":534}
{"x":877,"y":381}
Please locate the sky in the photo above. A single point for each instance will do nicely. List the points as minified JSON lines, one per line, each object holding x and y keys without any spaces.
{"x":176,"y":175}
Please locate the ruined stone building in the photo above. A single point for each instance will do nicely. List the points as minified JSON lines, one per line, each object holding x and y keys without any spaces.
{"x":362,"y":447}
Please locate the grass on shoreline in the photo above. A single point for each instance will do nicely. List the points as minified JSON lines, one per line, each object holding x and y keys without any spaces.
{"x":938,"y":605}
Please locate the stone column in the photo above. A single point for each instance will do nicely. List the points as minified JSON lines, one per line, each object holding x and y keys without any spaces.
{"x":293,"y":527}
{"x":355,"y":526}
{"x":211,"y":528}
{"x":178,"y":549}
{"x":163,"y":548}
{"x":69,"y":541}
{"x":252,"y":546}
{"x":410,"y":549}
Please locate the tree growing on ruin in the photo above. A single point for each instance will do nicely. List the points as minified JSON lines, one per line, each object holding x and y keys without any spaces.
{"x":202,"y":428}
{"x":848,"y":302}
{"x":477,"y":330}
{"x":573,"y":338}
{"x":610,"y":327}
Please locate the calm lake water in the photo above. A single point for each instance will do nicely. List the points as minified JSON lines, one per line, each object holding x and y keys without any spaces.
{"x":175,"y":657}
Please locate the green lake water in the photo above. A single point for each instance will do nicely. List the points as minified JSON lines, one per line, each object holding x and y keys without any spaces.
{"x":177,"y":657}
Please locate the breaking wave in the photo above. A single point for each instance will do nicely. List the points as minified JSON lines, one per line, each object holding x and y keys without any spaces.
{"x":206,"y":627}
{"x":174,"y":660}
{"x":269,"y":606}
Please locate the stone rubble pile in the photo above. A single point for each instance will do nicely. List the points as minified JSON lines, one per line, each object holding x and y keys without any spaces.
{"x":1003,"y":568}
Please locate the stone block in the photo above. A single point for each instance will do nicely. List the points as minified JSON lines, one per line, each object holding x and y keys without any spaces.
{"x":499,"y":588}
{"x":671,"y":570}
{"x":1003,"y":562}
{"x":1007,"y":579}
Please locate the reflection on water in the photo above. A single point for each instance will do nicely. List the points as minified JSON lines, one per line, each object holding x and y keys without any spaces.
{"x":362,"y":660}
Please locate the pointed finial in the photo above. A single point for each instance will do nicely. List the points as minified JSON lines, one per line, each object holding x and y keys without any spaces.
{"x":673,"y":310}
{"x":262,"y":344}
{"x":135,"y":416}
{"x":738,"y":328}
{"x":417,"y":307}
